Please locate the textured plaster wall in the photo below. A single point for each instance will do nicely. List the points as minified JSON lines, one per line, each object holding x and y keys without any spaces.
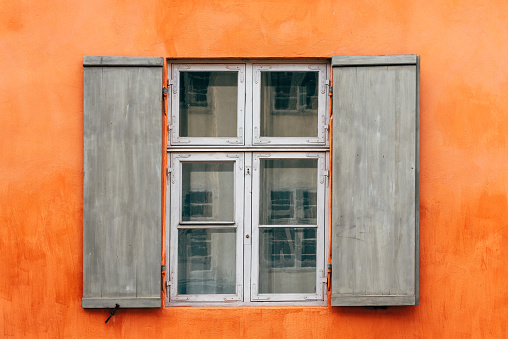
{"x":464,"y":155}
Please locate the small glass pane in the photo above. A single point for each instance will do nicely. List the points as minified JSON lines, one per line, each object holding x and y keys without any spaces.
{"x":208,"y":104}
{"x":289,"y":104}
{"x":208,"y":191}
{"x":287,"y":260}
{"x":288,"y":192}
{"x":206,"y":261}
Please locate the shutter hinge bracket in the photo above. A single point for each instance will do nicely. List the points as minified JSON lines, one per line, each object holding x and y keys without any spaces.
{"x":330,"y":88}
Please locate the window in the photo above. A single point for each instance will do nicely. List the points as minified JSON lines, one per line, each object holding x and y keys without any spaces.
{"x":246,"y":208}
{"x":247,"y":182}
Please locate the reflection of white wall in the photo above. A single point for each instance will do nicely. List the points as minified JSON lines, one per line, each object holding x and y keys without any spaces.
{"x":285,"y":281}
{"x":290,"y":125}
{"x":291,"y":178}
{"x":224,"y":261}
{"x":221,"y":277}
{"x":220,"y":117}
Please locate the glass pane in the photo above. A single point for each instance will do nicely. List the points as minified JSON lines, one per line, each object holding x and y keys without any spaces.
{"x":208,"y":104}
{"x":288,"y":192}
{"x":206,"y":261}
{"x":289,"y":104}
{"x":287,"y":260}
{"x":208,"y":191}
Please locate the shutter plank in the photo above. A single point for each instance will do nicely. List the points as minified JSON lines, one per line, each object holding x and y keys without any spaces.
{"x":374,"y":182}
{"x":122,"y":186}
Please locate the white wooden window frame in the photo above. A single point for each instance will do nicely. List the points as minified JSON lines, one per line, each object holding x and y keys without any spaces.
{"x":174,"y":121}
{"x":176,"y":161}
{"x":320,"y":138}
{"x":184,"y":149}
{"x":321,"y":183}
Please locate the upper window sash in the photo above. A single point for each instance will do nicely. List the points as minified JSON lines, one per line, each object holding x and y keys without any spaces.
{"x":289,"y":104}
{"x":202,"y":100}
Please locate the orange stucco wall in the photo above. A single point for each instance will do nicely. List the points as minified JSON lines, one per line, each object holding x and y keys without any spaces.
{"x":464,"y":154}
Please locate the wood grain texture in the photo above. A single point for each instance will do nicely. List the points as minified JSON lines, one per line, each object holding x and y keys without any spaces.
{"x":123,"y":61}
{"x":375,"y":168}
{"x":122,"y":186}
{"x":373,"y":300}
{"x":371,"y":60}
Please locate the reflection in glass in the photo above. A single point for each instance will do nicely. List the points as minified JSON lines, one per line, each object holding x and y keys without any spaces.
{"x":287,"y":260}
{"x":208,"y":191}
{"x":208,"y":104}
{"x":289,"y":104}
{"x":288,"y":192}
{"x":206,"y":261}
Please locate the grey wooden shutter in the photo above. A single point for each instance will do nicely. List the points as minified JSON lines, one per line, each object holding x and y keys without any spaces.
{"x":375,"y":180}
{"x":122,"y":182}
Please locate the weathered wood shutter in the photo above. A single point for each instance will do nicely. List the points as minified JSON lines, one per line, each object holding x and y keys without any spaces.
{"x":122,"y":182}
{"x":375,"y":180}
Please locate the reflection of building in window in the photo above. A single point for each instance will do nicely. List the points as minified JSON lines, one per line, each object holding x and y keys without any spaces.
{"x":197,"y":205}
{"x":295,"y":207}
{"x":309,"y":206}
{"x":282,"y":205}
{"x":198,"y":251}
{"x":293,"y":92}
{"x":194,"y":89}
{"x":289,"y":248}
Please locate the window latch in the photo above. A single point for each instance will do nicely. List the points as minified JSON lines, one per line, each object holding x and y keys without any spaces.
{"x":168,"y":173}
{"x":172,"y":83}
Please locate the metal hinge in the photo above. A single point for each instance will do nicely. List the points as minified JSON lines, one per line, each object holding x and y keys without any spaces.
{"x":324,"y":277}
{"x":168,"y":173}
{"x":330,"y":88}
